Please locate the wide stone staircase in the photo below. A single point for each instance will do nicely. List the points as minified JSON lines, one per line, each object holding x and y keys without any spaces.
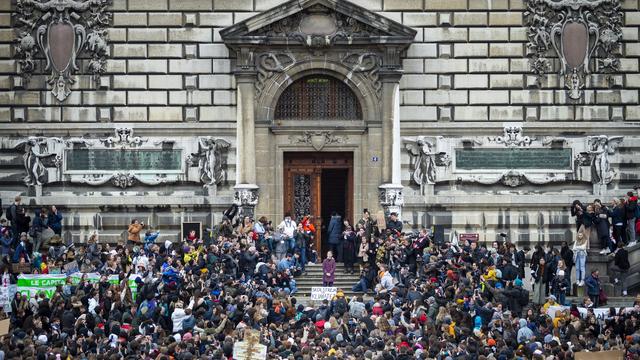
{"x":343,"y":281}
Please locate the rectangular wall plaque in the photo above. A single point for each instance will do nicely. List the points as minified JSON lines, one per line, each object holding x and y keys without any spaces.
{"x":97,"y":160}
{"x":510,"y":158}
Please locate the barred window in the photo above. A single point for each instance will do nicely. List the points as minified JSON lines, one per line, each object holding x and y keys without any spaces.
{"x":318,"y":98}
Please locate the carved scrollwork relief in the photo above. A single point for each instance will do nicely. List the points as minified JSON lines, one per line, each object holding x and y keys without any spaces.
{"x":512,"y":136}
{"x":577,"y":30}
{"x":61,"y":30}
{"x":123,"y":138}
{"x":318,"y":139}
{"x":316,"y":27}
{"x":368,"y":64}
{"x":271,"y":63}
{"x":514,"y":178}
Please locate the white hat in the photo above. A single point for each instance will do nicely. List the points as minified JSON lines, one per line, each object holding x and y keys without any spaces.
{"x":560,"y":272}
{"x":42,"y":339}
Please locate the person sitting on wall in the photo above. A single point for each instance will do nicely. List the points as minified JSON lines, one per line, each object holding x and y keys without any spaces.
{"x":393,"y":223}
{"x":133,"y":237}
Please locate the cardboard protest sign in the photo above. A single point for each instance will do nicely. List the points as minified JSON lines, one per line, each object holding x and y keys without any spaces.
{"x":250,"y":348}
{"x":4,"y":327}
{"x":600,"y":355}
{"x":22,"y":268}
{"x":319,"y":293}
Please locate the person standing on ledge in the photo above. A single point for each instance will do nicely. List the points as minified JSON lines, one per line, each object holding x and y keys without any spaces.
{"x":328,"y":270}
{"x":134,"y":232}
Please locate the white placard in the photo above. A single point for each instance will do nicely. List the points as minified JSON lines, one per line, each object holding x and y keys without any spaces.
{"x":320,"y":293}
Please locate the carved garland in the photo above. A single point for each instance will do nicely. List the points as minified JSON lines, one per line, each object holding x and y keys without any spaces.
{"x":576,"y":30}
{"x":61,"y":30}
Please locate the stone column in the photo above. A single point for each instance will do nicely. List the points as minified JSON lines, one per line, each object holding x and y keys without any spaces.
{"x":246,"y":190}
{"x":391,"y":197}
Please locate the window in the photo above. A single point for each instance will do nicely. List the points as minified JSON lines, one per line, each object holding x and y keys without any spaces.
{"x":318,"y":98}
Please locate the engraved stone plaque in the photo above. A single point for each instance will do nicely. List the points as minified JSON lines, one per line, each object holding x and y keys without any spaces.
{"x":513,"y":158}
{"x":98,"y":160}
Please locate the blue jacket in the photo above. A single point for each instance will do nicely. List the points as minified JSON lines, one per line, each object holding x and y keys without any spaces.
{"x":55,"y":222}
{"x":334,"y":232}
{"x":593,"y":286}
{"x":6,"y":243}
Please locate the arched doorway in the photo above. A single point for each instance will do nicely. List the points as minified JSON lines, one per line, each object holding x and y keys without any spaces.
{"x":318,"y":183}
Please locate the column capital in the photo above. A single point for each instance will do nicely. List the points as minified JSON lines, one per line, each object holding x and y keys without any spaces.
{"x":390,"y":75}
{"x":245,"y":76}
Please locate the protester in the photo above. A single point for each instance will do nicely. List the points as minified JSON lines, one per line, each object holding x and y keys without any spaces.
{"x":621,"y":266}
{"x":328,"y":270}
{"x":593,"y":287}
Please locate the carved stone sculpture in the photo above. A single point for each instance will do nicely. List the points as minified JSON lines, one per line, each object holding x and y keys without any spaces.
{"x":512,"y":136}
{"x":391,"y":199}
{"x":246,"y":197}
{"x":36,"y":150}
{"x":424,"y":160}
{"x":211,"y":160}
{"x":317,"y":27}
{"x":61,"y":30}
{"x":576,"y":30}
{"x":600,"y":148}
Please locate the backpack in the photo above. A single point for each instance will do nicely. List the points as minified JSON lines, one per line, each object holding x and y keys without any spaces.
{"x":523,"y":300}
{"x":341,"y":306}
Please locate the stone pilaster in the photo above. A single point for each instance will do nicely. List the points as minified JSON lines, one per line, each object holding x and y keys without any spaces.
{"x":246,"y":190}
{"x":391,"y":198}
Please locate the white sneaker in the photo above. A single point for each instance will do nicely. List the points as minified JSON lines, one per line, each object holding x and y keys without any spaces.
{"x":632,"y":243}
{"x":615,"y":280}
{"x":603,"y":251}
{"x":624,"y":293}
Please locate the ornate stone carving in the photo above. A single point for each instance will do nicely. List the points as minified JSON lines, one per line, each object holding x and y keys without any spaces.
{"x":123,"y":138}
{"x":37,"y":152}
{"x":246,"y":197}
{"x":61,"y":29}
{"x":512,"y":136}
{"x":424,"y":160}
{"x":211,"y":160}
{"x":599,"y":149}
{"x":514,"y":178}
{"x":122,"y":180}
{"x":318,"y":139}
{"x":271,"y":63}
{"x":576,"y":30}
{"x":368,"y":64}
{"x":391,"y":198}
{"x":318,"y":26}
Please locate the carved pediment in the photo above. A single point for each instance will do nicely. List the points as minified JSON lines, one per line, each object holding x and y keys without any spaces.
{"x":317,"y":23}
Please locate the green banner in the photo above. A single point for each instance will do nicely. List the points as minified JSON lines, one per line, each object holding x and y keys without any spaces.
{"x":33,"y":284}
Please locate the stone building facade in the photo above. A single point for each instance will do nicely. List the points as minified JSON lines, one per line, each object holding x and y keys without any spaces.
{"x":484,"y":116}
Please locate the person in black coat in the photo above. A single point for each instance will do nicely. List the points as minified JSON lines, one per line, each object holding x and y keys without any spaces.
{"x":621,"y":266}
{"x":577,"y":211}
{"x":334,"y":235}
{"x":567,"y":256}
{"x":602,"y":225}
{"x":393,"y":223}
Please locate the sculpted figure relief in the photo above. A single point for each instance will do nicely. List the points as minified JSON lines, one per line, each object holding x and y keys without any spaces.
{"x":600,"y":148}
{"x":211,"y":160}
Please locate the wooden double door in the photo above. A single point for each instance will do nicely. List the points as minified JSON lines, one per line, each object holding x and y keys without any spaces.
{"x":318,"y":184}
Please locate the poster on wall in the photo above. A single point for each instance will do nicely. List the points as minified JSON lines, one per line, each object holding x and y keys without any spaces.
{"x":191,"y":230}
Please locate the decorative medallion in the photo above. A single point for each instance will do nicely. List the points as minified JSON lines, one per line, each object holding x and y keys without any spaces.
{"x":318,"y":139}
{"x":577,"y":31}
{"x":61,"y":30}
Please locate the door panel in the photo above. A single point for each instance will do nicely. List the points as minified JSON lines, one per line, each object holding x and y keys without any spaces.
{"x":303,"y":187}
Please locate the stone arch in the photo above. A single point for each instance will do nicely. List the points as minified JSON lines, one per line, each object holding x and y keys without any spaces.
{"x":361,"y":86}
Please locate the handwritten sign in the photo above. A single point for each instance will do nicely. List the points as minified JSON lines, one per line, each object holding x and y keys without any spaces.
{"x":250,"y":348}
{"x":4,"y":327}
{"x":22,"y":268}
{"x":71,"y":267}
{"x":319,"y":293}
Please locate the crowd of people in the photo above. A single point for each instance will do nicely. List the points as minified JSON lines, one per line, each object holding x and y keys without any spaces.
{"x":418,"y":296}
